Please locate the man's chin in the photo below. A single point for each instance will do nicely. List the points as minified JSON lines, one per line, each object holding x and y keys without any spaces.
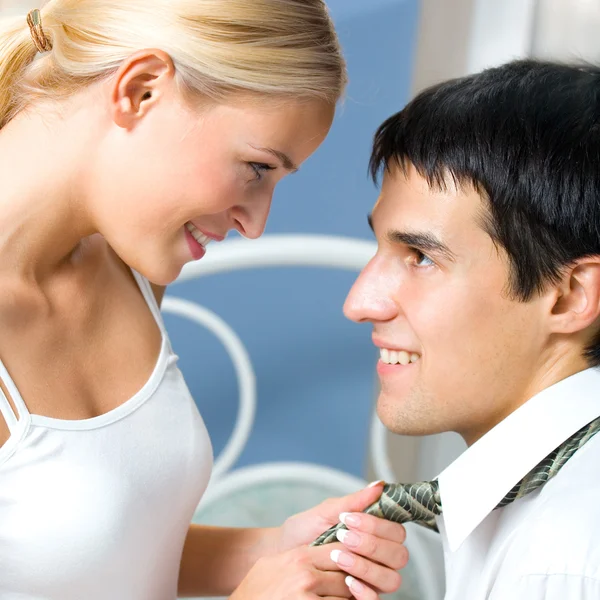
{"x":395,"y":414}
{"x":406,"y":415}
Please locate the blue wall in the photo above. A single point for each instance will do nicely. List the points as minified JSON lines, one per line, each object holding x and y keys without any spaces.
{"x":315,"y":370}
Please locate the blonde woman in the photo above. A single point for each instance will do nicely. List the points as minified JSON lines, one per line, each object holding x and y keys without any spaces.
{"x":132,"y":134}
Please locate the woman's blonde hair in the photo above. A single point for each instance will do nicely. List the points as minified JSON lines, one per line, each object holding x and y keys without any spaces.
{"x":219,"y":47}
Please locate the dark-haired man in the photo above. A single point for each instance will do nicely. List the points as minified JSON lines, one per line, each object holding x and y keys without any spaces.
{"x":484,"y":297}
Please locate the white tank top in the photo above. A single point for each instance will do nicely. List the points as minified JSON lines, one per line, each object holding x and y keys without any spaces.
{"x":98,"y":509}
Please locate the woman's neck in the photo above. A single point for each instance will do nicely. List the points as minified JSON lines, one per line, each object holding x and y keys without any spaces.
{"x":42,"y":197}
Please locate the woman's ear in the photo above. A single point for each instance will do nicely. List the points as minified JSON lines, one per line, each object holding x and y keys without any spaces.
{"x":138,"y":84}
{"x":577,"y":300}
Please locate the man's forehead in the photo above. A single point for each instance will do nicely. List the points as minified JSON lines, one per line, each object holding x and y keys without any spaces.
{"x":408,"y":189}
{"x":408,"y":203}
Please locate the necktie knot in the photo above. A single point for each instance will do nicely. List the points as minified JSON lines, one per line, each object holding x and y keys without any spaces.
{"x":416,"y":502}
{"x":421,"y":502}
{"x":401,"y":503}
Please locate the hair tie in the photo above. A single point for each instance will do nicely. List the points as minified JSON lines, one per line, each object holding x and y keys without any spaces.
{"x":41,"y":41}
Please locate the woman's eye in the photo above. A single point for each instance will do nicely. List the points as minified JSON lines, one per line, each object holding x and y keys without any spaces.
{"x":260,"y":168}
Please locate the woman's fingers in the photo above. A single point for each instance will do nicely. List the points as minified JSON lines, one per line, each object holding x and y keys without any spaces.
{"x":382,"y":528}
{"x":392,"y":554}
{"x":331,"y":583}
{"x":359,"y":590}
{"x":374,"y":575}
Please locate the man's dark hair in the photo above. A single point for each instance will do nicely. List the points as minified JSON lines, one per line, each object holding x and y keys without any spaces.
{"x":526,"y":136}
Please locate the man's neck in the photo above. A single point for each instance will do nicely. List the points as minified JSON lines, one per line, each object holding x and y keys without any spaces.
{"x":564,"y":360}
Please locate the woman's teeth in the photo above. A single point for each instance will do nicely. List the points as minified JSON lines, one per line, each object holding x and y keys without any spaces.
{"x":395,"y":357}
{"x":198,"y":235}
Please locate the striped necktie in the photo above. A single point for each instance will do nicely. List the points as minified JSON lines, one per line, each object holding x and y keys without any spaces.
{"x":421,"y":503}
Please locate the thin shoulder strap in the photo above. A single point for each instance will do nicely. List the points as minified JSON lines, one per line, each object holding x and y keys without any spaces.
{"x":150,"y":298}
{"x":6,"y":409}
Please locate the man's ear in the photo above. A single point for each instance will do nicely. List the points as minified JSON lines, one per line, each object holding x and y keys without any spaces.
{"x":577,"y":299}
{"x":138,"y":85}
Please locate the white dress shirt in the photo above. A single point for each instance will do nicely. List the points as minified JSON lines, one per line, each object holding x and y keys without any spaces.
{"x":545,"y":545}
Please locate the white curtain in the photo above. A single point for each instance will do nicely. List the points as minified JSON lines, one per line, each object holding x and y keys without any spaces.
{"x":567,"y":30}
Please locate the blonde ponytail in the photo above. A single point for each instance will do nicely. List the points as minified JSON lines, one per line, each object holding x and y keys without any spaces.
{"x":219,"y":47}
{"x":17,"y":50}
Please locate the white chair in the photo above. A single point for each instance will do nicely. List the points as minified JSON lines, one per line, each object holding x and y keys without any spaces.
{"x":266,"y":494}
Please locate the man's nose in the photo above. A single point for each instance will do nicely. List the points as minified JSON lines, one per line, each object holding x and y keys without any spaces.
{"x":370,"y":298}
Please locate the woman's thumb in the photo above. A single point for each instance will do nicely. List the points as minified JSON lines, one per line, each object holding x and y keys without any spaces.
{"x":358,"y":501}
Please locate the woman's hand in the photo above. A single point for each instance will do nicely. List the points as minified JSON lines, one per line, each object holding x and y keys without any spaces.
{"x":372,"y":549}
{"x":304,"y":573}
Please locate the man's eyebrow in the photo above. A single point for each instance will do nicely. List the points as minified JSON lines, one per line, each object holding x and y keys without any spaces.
{"x":423,"y":241}
{"x":286,"y":161}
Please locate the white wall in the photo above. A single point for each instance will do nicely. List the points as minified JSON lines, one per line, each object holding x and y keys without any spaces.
{"x":457,"y":37}
{"x":567,"y":30}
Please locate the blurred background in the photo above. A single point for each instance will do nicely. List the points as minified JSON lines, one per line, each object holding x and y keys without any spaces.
{"x":315,"y":371}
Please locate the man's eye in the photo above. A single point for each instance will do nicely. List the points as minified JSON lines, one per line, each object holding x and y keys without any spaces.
{"x":260,"y":168}
{"x":421,"y":260}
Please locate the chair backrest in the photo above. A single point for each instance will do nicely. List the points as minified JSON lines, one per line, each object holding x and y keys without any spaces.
{"x":232,"y":495}
{"x":264,"y":495}
{"x":271,"y":251}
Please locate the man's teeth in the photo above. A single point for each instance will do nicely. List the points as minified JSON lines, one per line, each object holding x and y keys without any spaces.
{"x":394,"y":357}
{"x":198,"y":235}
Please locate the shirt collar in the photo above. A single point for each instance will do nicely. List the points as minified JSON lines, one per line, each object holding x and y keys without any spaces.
{"x":473,"y":485}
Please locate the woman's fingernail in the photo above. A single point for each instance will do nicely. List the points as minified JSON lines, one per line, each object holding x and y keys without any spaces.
{"x":349,"y":519}
{"x":341,"y":558}
{"x":354,"y":584}
{"x":374,"y":483}
{"x":348,"y":538}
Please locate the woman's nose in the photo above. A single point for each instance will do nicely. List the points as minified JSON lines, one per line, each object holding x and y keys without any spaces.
{"x":251,"y":221}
